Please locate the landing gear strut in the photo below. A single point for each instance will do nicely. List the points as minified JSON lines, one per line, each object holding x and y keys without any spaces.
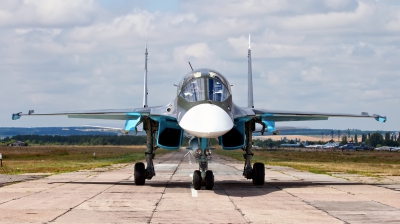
{"x":203,"y":176}
{"x":141,"y":173}
{"x":257,"y":172}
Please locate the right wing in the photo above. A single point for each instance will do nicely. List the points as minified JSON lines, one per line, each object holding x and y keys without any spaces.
{"x":109,"y":114}
{"x":133,"y":116}
{"x":267,"y":118}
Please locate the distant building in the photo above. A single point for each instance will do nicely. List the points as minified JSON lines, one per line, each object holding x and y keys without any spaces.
{"x":17,"y":143}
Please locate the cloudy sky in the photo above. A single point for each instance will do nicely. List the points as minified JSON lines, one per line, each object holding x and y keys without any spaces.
{"x":310,"y":55}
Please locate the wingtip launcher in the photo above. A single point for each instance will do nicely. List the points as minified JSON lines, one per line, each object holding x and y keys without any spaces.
{"x":380,"y":118}
{"x":16,"y":116}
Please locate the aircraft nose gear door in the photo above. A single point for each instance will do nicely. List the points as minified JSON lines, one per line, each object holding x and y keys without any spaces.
{"x":257,"y":172}
{"x":203,"y":176}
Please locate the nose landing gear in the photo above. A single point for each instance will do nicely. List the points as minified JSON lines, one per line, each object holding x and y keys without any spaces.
{"x":203,"y":176}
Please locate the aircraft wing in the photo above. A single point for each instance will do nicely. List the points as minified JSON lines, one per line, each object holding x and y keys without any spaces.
{"x":280,"y":115}
{"x":133,"y":116}
{"x":109,"y":114}
{"x":267,"y":118}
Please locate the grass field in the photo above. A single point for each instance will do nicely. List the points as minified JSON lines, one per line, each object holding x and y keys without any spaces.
{"x":59,"y":159}
{"x":368,"y":163}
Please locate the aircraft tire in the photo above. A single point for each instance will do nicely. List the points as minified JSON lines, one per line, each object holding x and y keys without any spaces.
{"x":139,"y":174}
{"x":209,"y":180}
{"x":258,"y":174}
{"x":197,"y":180}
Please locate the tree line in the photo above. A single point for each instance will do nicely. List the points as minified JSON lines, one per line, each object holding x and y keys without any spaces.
{"x":375,"y":140}
{"x":77,"y":140}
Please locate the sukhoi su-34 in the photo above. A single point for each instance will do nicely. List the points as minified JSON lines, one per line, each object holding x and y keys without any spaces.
{"x":204,"y":109}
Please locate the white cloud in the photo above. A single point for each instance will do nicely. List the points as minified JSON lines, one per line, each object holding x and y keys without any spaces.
{"x":313,"y":74}
{"x":272,"y":78}
{"x":336,"y":4}
{"x":329,"y":20}
{"x":69,"y":55}
{"x":31,"y":13}
{"x":237,"y":8}
{"x":190,"y":17}
{"x":394,"y":24}
{"x":137,"y":23}
{"x":197,"y":50}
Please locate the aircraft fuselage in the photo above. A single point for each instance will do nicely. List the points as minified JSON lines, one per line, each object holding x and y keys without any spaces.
{"x":204,"y":104}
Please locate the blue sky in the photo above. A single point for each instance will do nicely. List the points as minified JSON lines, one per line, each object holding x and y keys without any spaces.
{"x":314,"y":55}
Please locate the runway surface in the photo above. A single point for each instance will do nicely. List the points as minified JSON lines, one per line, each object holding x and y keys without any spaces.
{"x":110,"y":196}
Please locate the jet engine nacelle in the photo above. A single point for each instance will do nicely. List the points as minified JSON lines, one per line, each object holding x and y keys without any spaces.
{"x":235,"y":138}
{"x":170,"y":134}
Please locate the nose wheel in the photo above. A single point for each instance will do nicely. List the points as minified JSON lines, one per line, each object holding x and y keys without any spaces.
{"x":197,"y":180}
{"x":207,"y":181}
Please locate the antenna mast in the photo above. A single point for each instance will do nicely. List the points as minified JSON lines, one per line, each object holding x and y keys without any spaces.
{"x":145,"y":79}
{"x":191,"y":66}
{"x":250,"y":102}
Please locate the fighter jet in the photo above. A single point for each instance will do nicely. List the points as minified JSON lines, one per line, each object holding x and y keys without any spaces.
{"x":203,"y":108}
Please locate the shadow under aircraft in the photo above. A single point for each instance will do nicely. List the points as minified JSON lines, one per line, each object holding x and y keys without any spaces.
{"x":203,"y":108}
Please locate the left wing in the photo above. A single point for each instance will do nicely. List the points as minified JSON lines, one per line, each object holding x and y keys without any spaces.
{"x":280,"y":115}
{"x":267,"y":118}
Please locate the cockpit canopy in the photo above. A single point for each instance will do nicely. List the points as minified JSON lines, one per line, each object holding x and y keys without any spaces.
{"x":204,"y":84}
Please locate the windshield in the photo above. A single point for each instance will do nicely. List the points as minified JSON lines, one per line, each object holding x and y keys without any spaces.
{"x":196,"y":90}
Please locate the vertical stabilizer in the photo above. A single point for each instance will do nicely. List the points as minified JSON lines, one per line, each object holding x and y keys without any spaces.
{"x":250,"y":102}
{"x":145,"y":93}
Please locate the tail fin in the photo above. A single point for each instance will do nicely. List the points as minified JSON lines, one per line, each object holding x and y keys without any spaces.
{"x":250,"y":102}
{"x":145,"y":93}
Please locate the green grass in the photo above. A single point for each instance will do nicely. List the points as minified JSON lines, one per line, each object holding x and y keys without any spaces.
{"x":368,"y":163}
{"x":59,"y":159}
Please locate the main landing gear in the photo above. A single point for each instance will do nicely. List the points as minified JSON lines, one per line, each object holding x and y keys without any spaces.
{"x":141,"y":173}
{"x":257,"y":172}
{"x":203,"y":176}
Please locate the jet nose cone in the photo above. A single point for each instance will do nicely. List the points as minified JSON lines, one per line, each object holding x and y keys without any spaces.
{"x":206,"y":121}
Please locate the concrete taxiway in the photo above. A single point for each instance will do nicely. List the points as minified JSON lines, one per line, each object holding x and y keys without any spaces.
{"x":110,"y":196}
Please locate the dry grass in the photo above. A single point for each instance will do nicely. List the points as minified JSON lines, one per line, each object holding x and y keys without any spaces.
{"x":302,"y":137}
{"x":58,"y":159}
{"x":369,"y":163}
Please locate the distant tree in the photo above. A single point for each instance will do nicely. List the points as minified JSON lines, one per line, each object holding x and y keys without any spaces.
{"x":344,"y":140}
{"x":355,"y":138}
{"x":387,"y":136}
{"x":376,"y":139}
{"x":369,"y":135}
{"x":363,"y":138}
{"x":271,"y":144}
